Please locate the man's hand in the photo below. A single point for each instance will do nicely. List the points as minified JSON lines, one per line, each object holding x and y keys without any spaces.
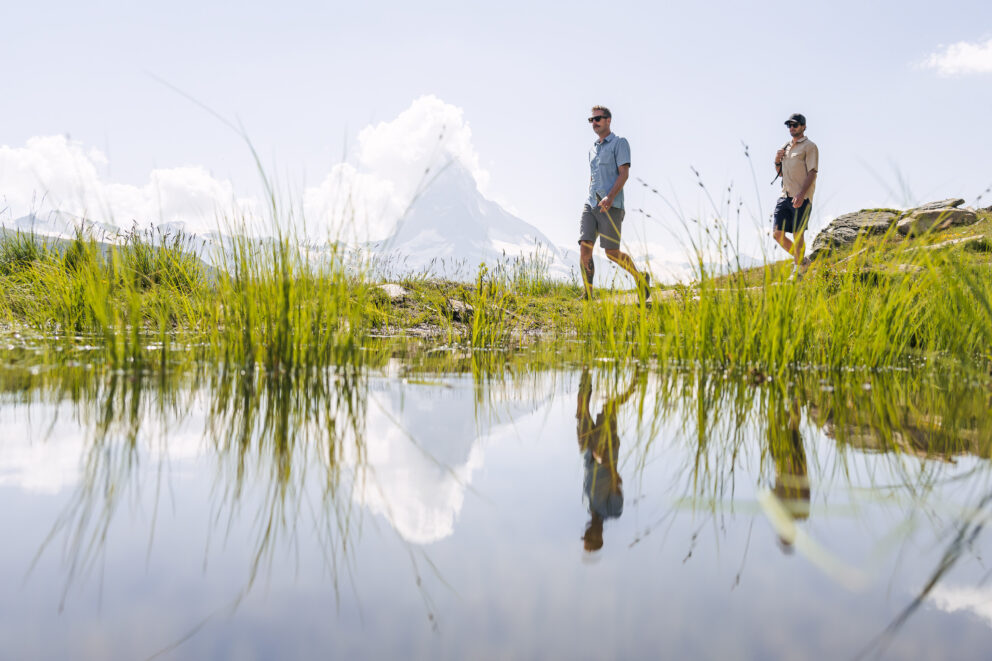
{"x":606,"y":203}
{"x":798,"y":200}
{"x":779,"y":155}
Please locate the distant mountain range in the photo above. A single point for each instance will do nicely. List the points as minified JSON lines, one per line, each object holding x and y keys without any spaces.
{"x":449,"y":229}
{"x":61,"y":225}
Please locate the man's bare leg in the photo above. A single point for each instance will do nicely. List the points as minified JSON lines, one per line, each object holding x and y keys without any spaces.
{"x":586,"y":266}
{"x":783,"y":241}
{"x":624,"y":261}
{"x":799,"y":243}
{"x":796,"y":248}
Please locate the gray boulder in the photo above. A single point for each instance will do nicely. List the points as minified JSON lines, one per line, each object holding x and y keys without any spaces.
{"x":922,"y":220}
{"x":844,"y":230}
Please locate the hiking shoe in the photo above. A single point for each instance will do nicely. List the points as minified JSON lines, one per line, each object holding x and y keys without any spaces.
{"x":645,"y":286}
{"x":797,"y":273}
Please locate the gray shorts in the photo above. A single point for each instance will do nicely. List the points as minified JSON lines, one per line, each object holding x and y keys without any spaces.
{"x":596,"y":223}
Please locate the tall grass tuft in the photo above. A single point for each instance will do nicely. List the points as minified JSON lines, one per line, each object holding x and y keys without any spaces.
{"x":279,"y":306}
{"x":269,"y":304}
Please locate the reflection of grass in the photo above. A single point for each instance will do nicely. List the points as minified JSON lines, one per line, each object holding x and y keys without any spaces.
{"x":292,"y":440}
{"x":296,"y":438}
{"x":897,"y":436}
{"x":929,"y":415}
{"x":279,"y":428}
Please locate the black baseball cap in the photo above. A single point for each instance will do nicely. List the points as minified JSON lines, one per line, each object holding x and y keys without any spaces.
{"x":797,"y":117}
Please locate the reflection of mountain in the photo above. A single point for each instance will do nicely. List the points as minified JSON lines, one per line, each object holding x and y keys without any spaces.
{"x":452,"y":222}
{"x":423,"y":444}
{"x":421,"y":450}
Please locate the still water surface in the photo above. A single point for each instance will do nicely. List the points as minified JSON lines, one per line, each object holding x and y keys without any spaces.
{"x":581,"y":513}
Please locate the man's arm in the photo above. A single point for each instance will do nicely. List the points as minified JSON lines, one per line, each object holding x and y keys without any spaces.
{"x":622,"y":175}
{"x":797,"y":201}
{"x":631,"y":389}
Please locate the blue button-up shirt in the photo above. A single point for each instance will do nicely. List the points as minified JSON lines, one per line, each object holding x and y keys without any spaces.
{"x":605,"y":159}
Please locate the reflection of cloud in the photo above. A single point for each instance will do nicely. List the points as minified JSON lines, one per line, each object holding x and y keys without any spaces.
{"x":421,"y":450}
{"x":951,"y":599}
{"x":42,"y":459}
{"x":961,"y":58}
{"x":38,"y":467}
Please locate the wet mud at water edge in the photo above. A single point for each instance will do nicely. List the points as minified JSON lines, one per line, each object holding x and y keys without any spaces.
{"x":428,"y":506}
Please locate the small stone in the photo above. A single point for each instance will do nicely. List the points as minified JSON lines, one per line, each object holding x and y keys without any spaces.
{"x":395,"y":292}
{"x":460,"y":311}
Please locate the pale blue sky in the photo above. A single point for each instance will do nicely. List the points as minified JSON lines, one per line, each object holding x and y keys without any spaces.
{"x":687,"y":82}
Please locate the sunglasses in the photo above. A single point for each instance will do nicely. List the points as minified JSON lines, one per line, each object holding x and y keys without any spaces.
{"x":597,"y":118}
{"x":792,"y":124}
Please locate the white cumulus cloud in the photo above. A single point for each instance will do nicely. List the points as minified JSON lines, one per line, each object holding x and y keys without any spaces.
{"x":961,"y":58}
{"x":394,"y":160}
{"x":54,"y":173}
{"x":360,"y":199}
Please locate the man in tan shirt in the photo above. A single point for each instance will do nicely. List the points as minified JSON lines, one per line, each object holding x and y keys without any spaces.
{"x":797,"y":162}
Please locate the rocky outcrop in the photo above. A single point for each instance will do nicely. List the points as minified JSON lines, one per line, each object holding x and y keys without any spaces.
{"x":844,"y":230}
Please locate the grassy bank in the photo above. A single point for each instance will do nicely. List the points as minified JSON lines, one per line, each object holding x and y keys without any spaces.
{"x":882,"y":303}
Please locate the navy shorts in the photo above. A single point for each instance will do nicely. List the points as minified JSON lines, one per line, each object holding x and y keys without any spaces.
{"x":789,"y":219}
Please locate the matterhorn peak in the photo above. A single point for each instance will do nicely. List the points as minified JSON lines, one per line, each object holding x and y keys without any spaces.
{"x":451,"y":222}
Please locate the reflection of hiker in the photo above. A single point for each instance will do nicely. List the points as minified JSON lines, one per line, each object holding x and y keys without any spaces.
{"x":602,"y":215}
{"x":797,"y":162}
{"x":599,"y":443}
{"x":789,"y":456}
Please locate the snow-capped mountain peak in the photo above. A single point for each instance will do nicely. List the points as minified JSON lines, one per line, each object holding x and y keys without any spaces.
{"x":451,"y":221}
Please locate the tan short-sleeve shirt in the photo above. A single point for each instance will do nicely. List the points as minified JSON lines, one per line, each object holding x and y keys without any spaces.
{"x":799,"y":159}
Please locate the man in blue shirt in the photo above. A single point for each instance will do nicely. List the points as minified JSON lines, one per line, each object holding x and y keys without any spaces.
{"x":602,"y":215}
